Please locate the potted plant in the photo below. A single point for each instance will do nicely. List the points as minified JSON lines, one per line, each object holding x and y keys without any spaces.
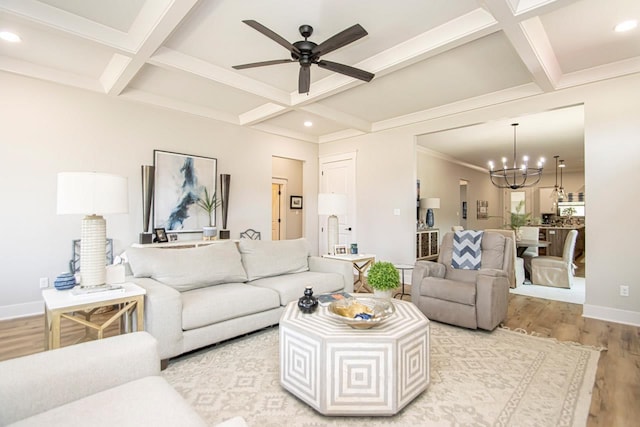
{"x":209,"y":204}
{"x":519,"y":219}
{"x":383,"y":277}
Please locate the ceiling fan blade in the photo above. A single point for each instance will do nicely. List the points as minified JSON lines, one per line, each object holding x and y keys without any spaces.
{"x":304,"y":80}
{"x":272,"y":35}
{"x":343,"y":38}
{"x":347,"y":70}
{"x":263,"y":63}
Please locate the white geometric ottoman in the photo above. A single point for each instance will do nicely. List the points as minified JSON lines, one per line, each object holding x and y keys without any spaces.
{"x":338,"y":370}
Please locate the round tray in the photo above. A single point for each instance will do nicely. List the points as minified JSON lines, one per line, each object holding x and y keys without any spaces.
{"x":345,"y":310}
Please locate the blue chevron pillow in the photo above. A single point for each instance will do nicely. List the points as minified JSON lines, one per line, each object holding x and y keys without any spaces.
{"x":467,"y":250}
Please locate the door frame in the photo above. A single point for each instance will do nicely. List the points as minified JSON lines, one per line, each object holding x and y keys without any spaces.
{"x":283,"y":205}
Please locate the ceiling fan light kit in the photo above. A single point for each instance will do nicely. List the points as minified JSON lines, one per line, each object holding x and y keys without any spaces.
{"x":515,"y":177}
{"x":306,"y":53}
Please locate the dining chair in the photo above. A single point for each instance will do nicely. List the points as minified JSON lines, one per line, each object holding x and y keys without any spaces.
{"x":556,"y":271}
{"x":457,"y":228}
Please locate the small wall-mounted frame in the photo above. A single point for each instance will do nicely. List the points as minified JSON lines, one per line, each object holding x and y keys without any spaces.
{"x":340,"y":249}
{"x":295,"y":202}
{"x":483,"y":209}
{"x":161,"y":235}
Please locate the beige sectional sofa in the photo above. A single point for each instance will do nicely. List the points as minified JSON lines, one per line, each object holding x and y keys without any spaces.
{"x":201,"y":296}
{"x":110,"y":382}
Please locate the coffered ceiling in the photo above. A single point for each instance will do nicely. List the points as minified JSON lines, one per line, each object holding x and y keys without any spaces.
{"x":430,"y":58}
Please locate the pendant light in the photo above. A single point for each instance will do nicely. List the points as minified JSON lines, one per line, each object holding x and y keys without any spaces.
{"x":515,"y":177}
{"x":558,"y":192}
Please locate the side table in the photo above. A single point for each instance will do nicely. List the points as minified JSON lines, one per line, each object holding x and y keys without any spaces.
{"x":402,"y":268}
{"x":361,"y":262}
{"x":79,"y":309}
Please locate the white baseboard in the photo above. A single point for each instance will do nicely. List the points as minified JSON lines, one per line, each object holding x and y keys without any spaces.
{"x":21,"y":310}
{"x":608,"y":314}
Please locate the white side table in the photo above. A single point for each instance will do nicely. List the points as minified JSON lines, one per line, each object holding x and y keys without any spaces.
{"x":79,"y":309}
{"x":361,"y":262}
{"x":403,"y":268}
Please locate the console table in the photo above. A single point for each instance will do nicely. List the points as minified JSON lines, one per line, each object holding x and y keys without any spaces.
{"x":428,"y":244}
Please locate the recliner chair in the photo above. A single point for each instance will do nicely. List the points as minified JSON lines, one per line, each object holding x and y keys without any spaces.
{"x":468,"y":298}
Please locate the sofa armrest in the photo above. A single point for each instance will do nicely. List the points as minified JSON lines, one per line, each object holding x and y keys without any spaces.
{"x":423,"y":269}
{"x":162,"y":315}
{"x":493,"y":272}
{"x":492,"y":299}
{"x":38,"y":382}
{"x":328,"y":265}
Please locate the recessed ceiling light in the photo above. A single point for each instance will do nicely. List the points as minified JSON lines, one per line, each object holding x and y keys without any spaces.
{"x":308,"y":124}
{"x":626,"y":26}
{"x":9,"y":37}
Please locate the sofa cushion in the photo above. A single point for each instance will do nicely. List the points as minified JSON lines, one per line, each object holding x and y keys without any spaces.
{"x":266,"y":258}
{"x":449,"y":290}
{"x":290,"y":287}
{"x":214,"y":304}
{"x":189,"y":268}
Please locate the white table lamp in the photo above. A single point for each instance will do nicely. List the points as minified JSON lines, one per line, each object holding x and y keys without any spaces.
{"x":332,"y":204}
{"x":92,"y":194}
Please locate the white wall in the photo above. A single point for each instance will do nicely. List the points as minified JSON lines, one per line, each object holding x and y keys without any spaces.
{"x":386,"y":176}
{"x":47,"y":128}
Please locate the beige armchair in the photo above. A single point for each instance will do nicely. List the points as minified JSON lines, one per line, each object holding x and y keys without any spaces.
{"x":556,"y":271}
{"x":468,"y":298}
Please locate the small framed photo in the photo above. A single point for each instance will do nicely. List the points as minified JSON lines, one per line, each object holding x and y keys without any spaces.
{"x":340,"y":249}
{"x":295,"y":202}
{"x":173,"y":237}
{"x":161,"y":235}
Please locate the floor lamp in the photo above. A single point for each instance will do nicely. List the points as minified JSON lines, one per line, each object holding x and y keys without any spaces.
{"x":92,"y":194}
{"x":332,"y":204}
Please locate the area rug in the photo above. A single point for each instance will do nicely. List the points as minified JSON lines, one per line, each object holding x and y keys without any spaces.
{"x":574,"y":295}
{"x":499,"y":378}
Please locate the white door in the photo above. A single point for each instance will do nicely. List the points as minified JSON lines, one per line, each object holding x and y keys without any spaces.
{"x":338,"y":175}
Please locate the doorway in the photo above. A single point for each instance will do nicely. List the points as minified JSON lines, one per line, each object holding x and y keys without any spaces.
{"x":462,"y":217}
{"x":278,"y":211}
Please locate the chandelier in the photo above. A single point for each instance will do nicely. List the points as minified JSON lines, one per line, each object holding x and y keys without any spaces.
{"x":558,"y":193}
{"x":515,"y":177}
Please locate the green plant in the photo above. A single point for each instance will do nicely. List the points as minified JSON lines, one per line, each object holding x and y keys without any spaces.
{"x":383,"y":276}
{"x":519,"y":219}
{"x":209,"y":204}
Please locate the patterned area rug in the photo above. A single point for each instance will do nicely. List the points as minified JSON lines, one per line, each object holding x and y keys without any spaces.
{"x":499,"y":378}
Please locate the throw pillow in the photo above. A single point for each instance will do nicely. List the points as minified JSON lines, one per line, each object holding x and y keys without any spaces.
{"x":467,"y":252}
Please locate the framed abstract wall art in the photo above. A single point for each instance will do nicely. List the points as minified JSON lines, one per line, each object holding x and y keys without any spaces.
{"x":180,"y":181}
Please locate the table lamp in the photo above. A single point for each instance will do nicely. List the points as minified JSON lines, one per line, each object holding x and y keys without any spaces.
{"x":431,"y":204}
{"x":332,"y":204}
{"x":92,"y":194}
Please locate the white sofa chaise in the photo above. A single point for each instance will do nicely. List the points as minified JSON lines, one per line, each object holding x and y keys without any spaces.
{"x":109,"y":382}
{"x":200,"y":296}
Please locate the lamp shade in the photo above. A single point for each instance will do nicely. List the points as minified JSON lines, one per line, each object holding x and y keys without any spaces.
{"x":332,"y":204}
{"x":432,"y":203}
{"x":91,"y":193}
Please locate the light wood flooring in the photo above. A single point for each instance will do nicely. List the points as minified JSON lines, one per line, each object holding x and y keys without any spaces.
{"x":616,"y":393}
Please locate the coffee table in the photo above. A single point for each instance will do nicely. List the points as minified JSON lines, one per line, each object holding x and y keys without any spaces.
{"x":338,"y":370}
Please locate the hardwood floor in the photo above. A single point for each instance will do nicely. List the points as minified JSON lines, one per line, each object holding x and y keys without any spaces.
{"x":616,"y":392}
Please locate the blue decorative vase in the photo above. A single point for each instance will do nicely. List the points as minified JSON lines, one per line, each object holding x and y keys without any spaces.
{"x":429,"y":217}
{"x":308,"y":303}
{"x":65,"y":281}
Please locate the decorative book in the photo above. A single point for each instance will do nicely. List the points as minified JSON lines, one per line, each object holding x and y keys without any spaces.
{"x":97,"y":291}
{"x":326,"y":299}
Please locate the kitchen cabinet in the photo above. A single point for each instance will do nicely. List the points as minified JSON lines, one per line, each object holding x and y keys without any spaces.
{"x":557,"y":236}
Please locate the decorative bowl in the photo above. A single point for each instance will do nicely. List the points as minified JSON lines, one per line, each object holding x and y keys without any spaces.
{"x":65,"y":281}
{"x":361,"y":313}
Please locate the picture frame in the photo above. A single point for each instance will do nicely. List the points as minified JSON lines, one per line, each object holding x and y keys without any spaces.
{"x":180,"y":181}
{"x":340,"y":249}
{"x":295,"y":202}
{"x":173,"y":237}
{"x":161,"y":235}
{"x":483,"y":209}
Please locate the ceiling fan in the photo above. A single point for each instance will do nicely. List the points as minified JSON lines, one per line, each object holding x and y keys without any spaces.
{"x":307,"y":52}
